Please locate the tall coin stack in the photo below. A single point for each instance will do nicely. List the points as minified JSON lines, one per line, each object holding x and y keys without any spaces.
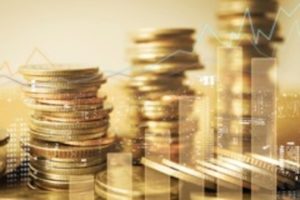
{"x":159,"y":59}
{"x":240,"y":22}
{"x":68,"y":124}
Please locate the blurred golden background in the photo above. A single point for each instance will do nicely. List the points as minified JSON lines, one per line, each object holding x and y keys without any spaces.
{"x":97,"y":32}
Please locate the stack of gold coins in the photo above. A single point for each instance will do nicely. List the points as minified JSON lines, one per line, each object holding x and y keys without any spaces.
{"x":4,"y":138}
{"x":68,"y":123}
{"x":250,"y":25}
{"x":159,"y":59}
{"x":112,"y":189}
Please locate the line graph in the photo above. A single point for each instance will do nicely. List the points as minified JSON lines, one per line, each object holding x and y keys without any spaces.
{"x":257,"y":34}
{"x":207,"y":30}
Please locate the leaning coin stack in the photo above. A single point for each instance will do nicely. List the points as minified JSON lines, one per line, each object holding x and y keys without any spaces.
{"x":68,"y":124}
{"x":229,"y":168}
{"x":4,"y":138}
{"x":241,"y":24}
{"x":159,"y":59}
{"x":264,"y":169}
{"x":116,"y":187}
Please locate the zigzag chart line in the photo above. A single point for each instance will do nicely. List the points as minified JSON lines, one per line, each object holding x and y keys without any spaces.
{"x":207,"y":30}
{"x":256,"y":34}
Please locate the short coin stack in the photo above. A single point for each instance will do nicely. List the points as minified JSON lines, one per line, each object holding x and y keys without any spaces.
{"x":241,"y":23}
{"x":68,"y":125}
{"x":159,"y":59}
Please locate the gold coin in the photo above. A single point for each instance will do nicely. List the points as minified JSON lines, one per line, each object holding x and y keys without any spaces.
{"x":85,"y":101}
{"x":232,"y":7}
{"x":47,"y":175}
{"x":164,"y":57}
{"x":70,"y":161}
{"x":67,"y":132}
{"x":247,"y":38}
{"x":65,"y":80}
{"x":72,"y":171}
{"x":167,"y":140}
{"x":169,"y":46}
{"x":176,"y":124}
{"x":158,"y":88}
{"x":50,"y":117}
{"x":145,"y":79}
{"x":155,"y":115}
{"x":61,"y":96}
{"x":44,"y":181}
{"x":65,"y":138}
{"x":260,"y":167}
{"x":61,"y":108}
{"x":93,"y":142}
{"x":45,"y":90}
{"x":166,"y":68}
{"x":209,"y":181}
{"x":224,"y":174}
{"x":234,"y":25}
{"x":56,"y":70}
{"x":68,"y":125}
{"x":66,"y":165}
{"x":157,"y":166}
{"x":242,"y":170}
{"x":87,"y":115}
{"x":66,"y":86}
{"x":148,"y":34}
{"x":76,"y":78}
{"x":55,"y":150}
{"x":56,"y":186}
{"x":139,"y":188}
{"x":160,"y":108}
{"x":244,"y":158}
